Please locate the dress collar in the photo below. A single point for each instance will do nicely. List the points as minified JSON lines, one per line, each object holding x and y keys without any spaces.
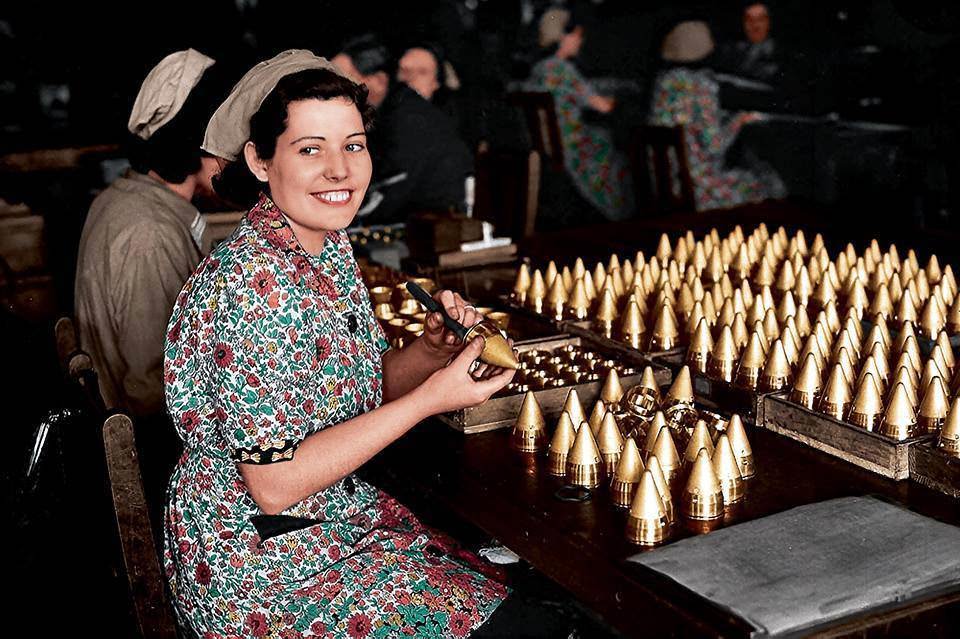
{"x":317,"y":272}
{"x":268,"y":220}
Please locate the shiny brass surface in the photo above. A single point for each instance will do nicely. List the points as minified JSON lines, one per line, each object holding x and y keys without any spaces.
{"x":806,"y":388}
{"x":702,"y":496}
{"x":776,"y":374}
{"x":737,"y":435}
{"x":596,"y":416}
{"x":610,"y":443}
{"x":653,"y":465}
{"x":751,"y":363}
{"x":627,"y":474}
{"x":899,"y":420}
{"x":949,"y":439}
{"x":723,"y":357}
{"x":700,"y":438}
{"x":529,"y":433}
{"x":496,"y":349}
{"x":612,"y":391}
{"x":560,"y":444}
{"x":584,"y":466}
{"x":665,"y":450}
{"x":836,"y":395}
{"x":727,"y":470}
{"x":701,"y":343}
{"x":867,"y":407}
{"x":574,"y":408}
{"x":647,"y":521}
{"x":934,"y":408}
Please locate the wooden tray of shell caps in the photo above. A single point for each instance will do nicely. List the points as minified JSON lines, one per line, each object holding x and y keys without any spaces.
{"x":864,"y":391}
{"x":666,"y":463}
{"x":936,"y":463}
{"x":550,"y":368}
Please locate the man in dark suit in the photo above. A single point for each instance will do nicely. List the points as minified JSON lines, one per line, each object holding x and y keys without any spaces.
{"x":411,"y":138}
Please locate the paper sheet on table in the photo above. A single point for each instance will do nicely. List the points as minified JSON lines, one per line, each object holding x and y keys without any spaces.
{"x":815,"y":564}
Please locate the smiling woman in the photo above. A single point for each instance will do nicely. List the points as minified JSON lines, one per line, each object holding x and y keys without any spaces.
{"x":281,"y":386}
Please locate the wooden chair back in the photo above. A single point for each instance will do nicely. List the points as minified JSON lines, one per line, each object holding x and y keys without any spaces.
{"x":507,"y":190}
{"x":661,"y":171}
{"x":77,"y":365}
{"x":152,"y":607}
{"x":540,"y":114}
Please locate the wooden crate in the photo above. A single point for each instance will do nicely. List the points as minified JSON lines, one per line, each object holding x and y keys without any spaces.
{"x":873,"y":451}
{"x":500,"y":412}
{"x":934,"y":468}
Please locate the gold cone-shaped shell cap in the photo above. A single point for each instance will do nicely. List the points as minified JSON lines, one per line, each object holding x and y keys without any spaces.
{"x":538,"y":288}
{"x":523,"y":281}
{"x":899,"y":420}
{"x":776,"y":372}
{"x":665,"y":325}
{"x":867,"y":405}
{"x":647,"y":503}
{"x":647,"y":523}
{"x":574,"y":408}
{"x":658,"y":422}
{"x":630,"y":466}
{"x":808,"y":379}
{"x":563,"y":436}
{"x":666,"y":451}
{"x":681,"y":391}
{"x":663,"y":249}
{"x":649,"y":380}
{"x":632,"y":320}
{"x":943,"y":341}
{"x":558,"y":292}
{"x":530,"y":417}
{"x":949,"y":440}
{"x":609,"y":438}
{"x":596,"y":416}
{"x":607,"y":309}
{"x":702,"y":496}
{"x":584,"y":451}
{"x":727,"y":470}
{"x":612,"y":391}
{"x":550,"y":274}
{"x":578,"y":296}
{"x":700,"y":438}
{"x":741,"y":446}
{"x":935,"y":403}
{"x":701,"y":341}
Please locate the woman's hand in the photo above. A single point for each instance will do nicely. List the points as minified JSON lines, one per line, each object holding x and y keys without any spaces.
{"x":439,"y":340}
{"x":461,"y":384}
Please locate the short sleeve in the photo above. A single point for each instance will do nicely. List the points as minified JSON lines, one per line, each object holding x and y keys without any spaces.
{"x":257,"y":372}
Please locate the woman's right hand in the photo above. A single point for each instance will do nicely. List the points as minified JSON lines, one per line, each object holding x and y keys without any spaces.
{"x":453,"y":387}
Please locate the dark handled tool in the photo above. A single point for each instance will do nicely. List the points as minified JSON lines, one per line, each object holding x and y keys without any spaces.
{"x":496,"y":348}
{"x":434,"y":306}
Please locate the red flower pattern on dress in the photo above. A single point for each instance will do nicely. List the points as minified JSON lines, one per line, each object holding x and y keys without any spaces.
{"x":263,"y":282}
{"x":359,"y":626}
{"x":223,"y":355}
{"x":257,"y":624}
{"x":244,"y":375}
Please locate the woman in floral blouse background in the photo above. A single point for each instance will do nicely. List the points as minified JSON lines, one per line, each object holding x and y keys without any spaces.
{"x":687,"y":93}
{"x":599,"y":172}
{"x":281,"y":386}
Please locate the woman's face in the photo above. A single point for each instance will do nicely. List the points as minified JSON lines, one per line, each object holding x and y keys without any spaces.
{"x":321,"y":169}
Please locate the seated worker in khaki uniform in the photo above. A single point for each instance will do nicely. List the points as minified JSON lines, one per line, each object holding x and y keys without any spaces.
{"x":141,"y":237}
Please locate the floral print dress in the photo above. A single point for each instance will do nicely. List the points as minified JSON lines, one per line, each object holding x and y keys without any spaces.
{"x":691,"y":98}
{"x":599,"y":172}
{"x":266,"y":345}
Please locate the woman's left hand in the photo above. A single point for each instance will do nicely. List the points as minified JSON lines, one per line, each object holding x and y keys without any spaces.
{"x":436,"y":336}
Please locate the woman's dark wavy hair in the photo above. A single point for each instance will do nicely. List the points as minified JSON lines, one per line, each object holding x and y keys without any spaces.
{"x":236,"y":183}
